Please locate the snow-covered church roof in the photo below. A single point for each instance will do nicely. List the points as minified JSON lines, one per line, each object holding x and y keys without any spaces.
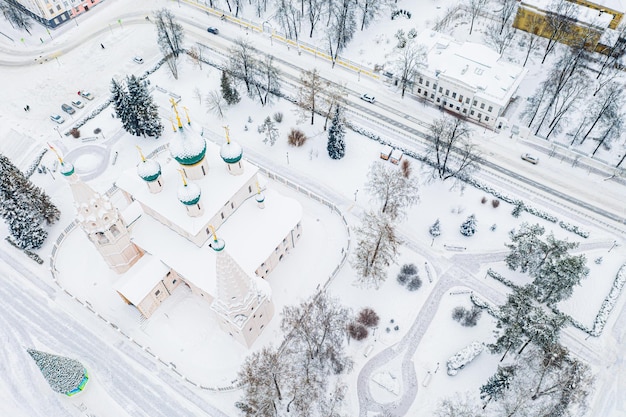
{"x":149,"y":170}
{"x":187,"y":146}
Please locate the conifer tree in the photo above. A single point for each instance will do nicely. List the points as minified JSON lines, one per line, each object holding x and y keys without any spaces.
{"x":146,"y":112}
{"x":435,"y":229}
{"x":25,"y":226}
{"x":230,"y":94}
{"x":336,"y":146}
{"x":498,"y":383}
{"x":64,"y":375}
{"x":468,"y":228}
{"x":122,"y":106}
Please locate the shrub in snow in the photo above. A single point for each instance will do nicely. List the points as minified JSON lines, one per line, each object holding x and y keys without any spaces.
{"x":31,"y":255}
{"x":609,"y":302}
{"x":517,"y":210}
{"x":278,"y":117}
{"x":435,"y":229}
{"x":296,"y":138}
{"x":414,"y":283}
{"x":467,"y":318}
{"x":31,"y":169}
{"x":412,"y":33}
{"x":493,"y":227}
{"x":598,"y":260}
{"x":75,"y":133}
{"x":468,"y":228}
{"x":357,"y":331}
{"x":249,"y":119}
{"x":574,"y":229}
{"x":464,"y":356}
{"x":368,"y":317}
{"x":483,"y":200}
{"x":495,"y":203}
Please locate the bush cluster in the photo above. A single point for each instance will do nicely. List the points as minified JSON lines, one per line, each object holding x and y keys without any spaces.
{"x":296,"y":138}
{"x":467,"y":318}
{"x":409,"y":276}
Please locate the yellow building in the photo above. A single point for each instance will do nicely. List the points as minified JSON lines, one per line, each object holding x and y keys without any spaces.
{"x":590,"y":20}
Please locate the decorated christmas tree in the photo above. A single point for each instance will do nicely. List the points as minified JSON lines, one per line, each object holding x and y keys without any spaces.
{"x":66,"y":376}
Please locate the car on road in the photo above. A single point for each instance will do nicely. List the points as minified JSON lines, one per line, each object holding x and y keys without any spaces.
{"x":138,"y":59}
{"x":213,"y":30}
{"x":68,"y":109}
{"x":56,"y":118}
{"x":530,"y":158}
{"x":368,"y":98}
{"x":78,"y":104}
{"x":86,"y":94}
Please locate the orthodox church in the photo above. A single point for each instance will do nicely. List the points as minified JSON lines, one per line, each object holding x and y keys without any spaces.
{"x":180,"y":200}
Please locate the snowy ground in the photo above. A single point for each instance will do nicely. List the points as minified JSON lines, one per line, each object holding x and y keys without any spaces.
{"x":199,"y":351}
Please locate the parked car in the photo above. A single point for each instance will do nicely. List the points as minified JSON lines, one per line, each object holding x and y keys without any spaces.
{"x":56,"y":118}
{"x":138,"y":59}
{"x":368,"y":98}
{"x":86,"y":94}
{"x":213,"y":30}
{"x":529,"y":158}
{"x":68,"y":109}
{"x":78,"y":104}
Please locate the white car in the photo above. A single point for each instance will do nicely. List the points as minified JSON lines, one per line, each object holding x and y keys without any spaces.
{"x":87,"y":95}
{"x":138,"y":59}
{"x":78,"y":104}
{"x":368,"y":98}
{"x":56,"y":118}
{"x":529,"y":158}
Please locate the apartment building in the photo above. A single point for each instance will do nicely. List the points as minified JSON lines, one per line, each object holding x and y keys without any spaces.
{"x":52,"y":13}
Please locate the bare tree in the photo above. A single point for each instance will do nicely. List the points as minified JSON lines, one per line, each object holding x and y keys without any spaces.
{"x":314,"y":11}
{"x":407,"y":62}
{"x":243,"y":63}
{"x":613,"y":53}
{"x":458,"y":406}
{"x":342,"y":27}
{"x":612,"y":130}
{"x":507,"y":8}
{"x":475,"y":7}
{"x":452,"y":152}
{"x":499,"y":38}
{"x":334,"y":96}
{"x":288,"y":16}
{"x":170,"y":33}
{"x":559,"y":19}
{"x":369,"y":10}
{"x":308,"y":94}
{"x":267,"y":79}
{"x":216,"y":104}
{"x":391,"y":188}
{"x":377,"y":248}
{"x":16,"y":16}
{"x":262,"y":374}
{"x":531,"y":40}
{"x":604,"y":106}
{"x":195,"y":56}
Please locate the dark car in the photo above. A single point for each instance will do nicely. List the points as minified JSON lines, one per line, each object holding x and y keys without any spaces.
{"x":213,"y":30}
{"x":68,"y":109}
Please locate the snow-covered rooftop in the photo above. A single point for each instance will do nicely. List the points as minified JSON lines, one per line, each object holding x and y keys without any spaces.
{"x":583,"y":14}
{"x":250,"y":234}
{"x":473,"y":65}
{"x":141,"y":278}
{"x":217,"y":188}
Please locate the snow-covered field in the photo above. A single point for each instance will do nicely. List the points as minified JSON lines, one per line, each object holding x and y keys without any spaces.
{"x":126,"y":379}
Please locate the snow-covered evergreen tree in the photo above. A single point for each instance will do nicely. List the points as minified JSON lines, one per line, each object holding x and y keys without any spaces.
{"x":146,"y":111}
{"x":377,"y":248}
{"x":64,"y":375}
{"x":468,"y":228}
{"x":336,"y":145}
{"x":558,"y":277}
{"x":229,"y":92}
{"x":271,"y":131}
{"x":526,"y":248}
{"x":25,"y":226}
{"x":123,"y":109}
{"x":435,"y":229}
{"x":495,"y":386}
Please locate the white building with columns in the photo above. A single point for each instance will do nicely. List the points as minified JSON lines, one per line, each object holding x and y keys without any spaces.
{"x":468,"y":79}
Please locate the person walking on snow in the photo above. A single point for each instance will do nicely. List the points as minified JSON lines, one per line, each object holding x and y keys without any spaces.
{"x":102,"y":46}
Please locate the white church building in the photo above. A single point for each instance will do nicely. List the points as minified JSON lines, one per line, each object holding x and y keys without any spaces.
{"x":197,"y":216}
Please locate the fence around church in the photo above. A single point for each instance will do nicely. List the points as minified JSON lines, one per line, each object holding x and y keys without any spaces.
{"x":172,"y":367}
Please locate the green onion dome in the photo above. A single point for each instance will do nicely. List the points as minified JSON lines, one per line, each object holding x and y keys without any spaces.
{"x":189,"y":194}
{"x":260,"y":197}
{"x":231,"y":152}
{"x":67,"y":169}
{"x":149,"y":170}
{"x":218,"y":244}
{"x":187,"y":148}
